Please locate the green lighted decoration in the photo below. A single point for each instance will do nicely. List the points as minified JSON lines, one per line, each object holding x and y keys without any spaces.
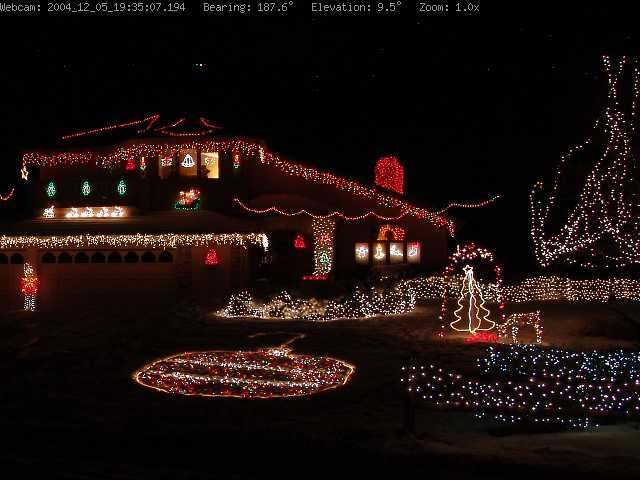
{"x":189,"y":200}
{"x":86,"y":188}
{"x":122,"y":187}
{"x":51,"y":189}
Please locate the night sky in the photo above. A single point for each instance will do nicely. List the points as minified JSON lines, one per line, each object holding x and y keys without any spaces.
{"x":471,"y":106}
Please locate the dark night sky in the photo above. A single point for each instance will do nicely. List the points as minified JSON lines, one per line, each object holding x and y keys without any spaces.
{"x":471,"y":106}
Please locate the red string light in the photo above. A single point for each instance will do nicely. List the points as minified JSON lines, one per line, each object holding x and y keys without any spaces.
{"x":115,"y":157}
{"x":150,"y":119}
{"x":390,"y":174}
{"x":482,"y":337}
{"x":484,"y":203}
{"x":355,"y":188}
{"x":312,"y":215}
{"x":210,"y":128}
{"x":7,"y":197}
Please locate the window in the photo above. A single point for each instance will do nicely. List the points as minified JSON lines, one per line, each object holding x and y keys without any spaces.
{"x":188,"y":166}
{"x":64,"y":257}
{"x":17,"y":258}
{"x":148,"y":257}
{"x":384,"y":253}
{"x":131,"y":257}
{"x":98,"y":257}
{"x":413,"y":252}
{"x":396,"y":252}
{"x":81,"y":257}
{"x":115,"y":257}
{"x":165,"y":257}
{"x":379,"y":251}
{"x":362,"y":253}
{"x":3,"y":259}
{"x":48,"y":258}
{"x":210,"y":164}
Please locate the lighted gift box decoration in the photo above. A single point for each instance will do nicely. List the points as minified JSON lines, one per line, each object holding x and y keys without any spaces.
{"x":188,"y":200}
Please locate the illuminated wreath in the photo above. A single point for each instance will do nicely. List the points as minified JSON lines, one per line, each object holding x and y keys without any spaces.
{"x":264,"y":373}
{"x":468,"y":253}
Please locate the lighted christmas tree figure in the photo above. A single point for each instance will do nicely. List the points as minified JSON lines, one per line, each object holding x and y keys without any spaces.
{"x":471,"y":315}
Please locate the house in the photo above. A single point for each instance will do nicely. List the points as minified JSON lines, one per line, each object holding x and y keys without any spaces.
{"x":172,"y":210}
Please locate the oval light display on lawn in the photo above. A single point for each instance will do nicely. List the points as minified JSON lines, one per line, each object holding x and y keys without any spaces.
{"x":265,"y":373}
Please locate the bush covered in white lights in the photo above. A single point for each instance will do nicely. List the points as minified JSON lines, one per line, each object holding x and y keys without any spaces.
{"x":361,"y":303}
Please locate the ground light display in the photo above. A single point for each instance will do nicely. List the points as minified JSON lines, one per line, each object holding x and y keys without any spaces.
{"x":529,"y":384}
{"x":265,"y":373}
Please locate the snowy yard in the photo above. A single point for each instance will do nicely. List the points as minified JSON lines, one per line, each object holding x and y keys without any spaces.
{"x":68,"y":397}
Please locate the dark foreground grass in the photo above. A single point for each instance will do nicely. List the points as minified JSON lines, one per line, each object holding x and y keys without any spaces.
{"x":69,"y":408}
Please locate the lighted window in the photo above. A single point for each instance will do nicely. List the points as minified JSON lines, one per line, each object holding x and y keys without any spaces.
{"x":188,"y":164}
{"x":362,"y":253}
{"x":165,"y":165}
{"x":379,"y":252}
{"x":210,"y":164}
{"x":413,"y":252}
{"x":396,"y":252}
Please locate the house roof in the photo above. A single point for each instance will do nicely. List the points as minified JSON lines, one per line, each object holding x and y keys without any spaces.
{"x":199,"y":134}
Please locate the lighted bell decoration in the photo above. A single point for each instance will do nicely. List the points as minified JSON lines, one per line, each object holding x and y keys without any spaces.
{"x":188,"y":165}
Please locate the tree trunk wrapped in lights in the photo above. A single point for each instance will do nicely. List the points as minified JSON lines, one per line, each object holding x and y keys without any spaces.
{"x":601,"y":228}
